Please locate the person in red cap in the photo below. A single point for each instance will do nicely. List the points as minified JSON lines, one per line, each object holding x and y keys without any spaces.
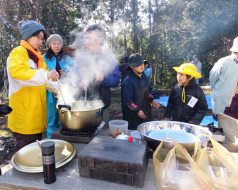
{"x":223,"y":80}
{"x":136,"y":96}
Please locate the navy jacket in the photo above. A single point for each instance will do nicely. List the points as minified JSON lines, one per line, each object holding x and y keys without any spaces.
{"x":136,"y":96}
{"x":110,"y":81}
{"x":187,"y":112}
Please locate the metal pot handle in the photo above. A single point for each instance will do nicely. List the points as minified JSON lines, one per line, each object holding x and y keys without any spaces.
{"x":64,"y":106}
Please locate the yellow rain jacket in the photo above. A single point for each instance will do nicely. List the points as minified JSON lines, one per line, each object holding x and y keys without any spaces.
{"x":27,"y":93}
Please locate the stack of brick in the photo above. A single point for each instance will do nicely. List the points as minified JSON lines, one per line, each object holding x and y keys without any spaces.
{"x":114,"y":160}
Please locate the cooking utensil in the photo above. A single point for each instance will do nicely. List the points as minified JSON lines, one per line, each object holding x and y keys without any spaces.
{"x":179,"y":131}
{"x":78,"y":116}
{"x":29,"y":158}
{"x":5,"y":110}
{"x":61,"y":93}
{"x":85,"y":96}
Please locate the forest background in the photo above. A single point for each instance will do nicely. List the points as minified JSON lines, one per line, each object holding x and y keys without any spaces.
{"x":165,"y":32}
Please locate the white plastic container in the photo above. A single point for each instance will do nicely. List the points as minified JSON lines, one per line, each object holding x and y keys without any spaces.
{"x":118,"y":125}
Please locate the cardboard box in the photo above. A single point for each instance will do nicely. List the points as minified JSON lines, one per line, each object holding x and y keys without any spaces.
{"x":230,"y":127}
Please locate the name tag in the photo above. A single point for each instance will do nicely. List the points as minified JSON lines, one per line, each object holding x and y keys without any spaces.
{"x":192,"y":102}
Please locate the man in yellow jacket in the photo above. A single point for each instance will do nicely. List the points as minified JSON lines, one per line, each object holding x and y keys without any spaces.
{"x":27,"y":75}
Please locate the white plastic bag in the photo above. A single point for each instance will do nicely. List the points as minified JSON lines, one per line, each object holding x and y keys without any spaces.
{"x":175,"y":169}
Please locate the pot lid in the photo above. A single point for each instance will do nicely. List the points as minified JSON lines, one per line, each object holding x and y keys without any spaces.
{"x":29,"y":158}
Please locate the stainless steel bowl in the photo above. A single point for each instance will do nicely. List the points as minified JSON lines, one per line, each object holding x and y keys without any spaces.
{"x":145,"y":128}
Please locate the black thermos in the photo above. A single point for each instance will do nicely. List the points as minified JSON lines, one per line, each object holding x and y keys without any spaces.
{"x":48,"y":159}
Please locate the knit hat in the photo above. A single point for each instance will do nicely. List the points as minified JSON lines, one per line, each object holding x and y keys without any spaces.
{"x":135,"y":60}
{"x":52,"y":38}
{"x":29,"y":27}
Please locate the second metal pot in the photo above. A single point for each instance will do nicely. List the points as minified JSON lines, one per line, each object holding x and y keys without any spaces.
{"x":196,"y":130}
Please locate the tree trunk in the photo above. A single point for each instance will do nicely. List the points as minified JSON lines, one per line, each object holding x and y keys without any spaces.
{"x":134,"y":25}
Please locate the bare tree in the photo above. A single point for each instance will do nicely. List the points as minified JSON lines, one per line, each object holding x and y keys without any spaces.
{"x":135,"y":29}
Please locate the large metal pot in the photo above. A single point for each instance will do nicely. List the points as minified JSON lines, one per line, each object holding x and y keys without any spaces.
{"x":186,"y":129}
{"x":81,"y":115}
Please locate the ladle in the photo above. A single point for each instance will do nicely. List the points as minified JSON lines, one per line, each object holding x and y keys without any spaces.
{"x":85,"y":96}
{"x":61,"y":92}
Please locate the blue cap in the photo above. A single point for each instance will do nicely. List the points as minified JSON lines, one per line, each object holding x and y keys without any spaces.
{"x":29,"y":27}
{"x":135,"y":60}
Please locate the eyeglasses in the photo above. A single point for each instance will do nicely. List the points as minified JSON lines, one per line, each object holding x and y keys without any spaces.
{"x":40,"y":37}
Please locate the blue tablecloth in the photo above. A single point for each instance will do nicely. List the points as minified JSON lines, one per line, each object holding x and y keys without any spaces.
{"x":164,"y":100}
{"x":206,"y":120}
{"x":209,"y":119}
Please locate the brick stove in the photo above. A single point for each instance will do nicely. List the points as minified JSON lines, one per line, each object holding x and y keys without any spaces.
{"x":114,"y":160}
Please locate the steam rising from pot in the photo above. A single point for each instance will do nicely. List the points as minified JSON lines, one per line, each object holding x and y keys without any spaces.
{"x":92,"y":59}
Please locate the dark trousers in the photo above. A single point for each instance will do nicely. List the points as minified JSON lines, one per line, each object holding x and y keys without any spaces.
{"x":133,"y":119}
{"x":233,"y":109}
{"x":23,"y":140}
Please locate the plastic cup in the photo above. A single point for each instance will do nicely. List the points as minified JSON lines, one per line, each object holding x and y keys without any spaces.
{"x":115,"y":125}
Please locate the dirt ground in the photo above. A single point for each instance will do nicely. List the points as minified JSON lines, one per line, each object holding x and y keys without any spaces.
{"x":7,"y":143}
{"x":3,"y":122}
